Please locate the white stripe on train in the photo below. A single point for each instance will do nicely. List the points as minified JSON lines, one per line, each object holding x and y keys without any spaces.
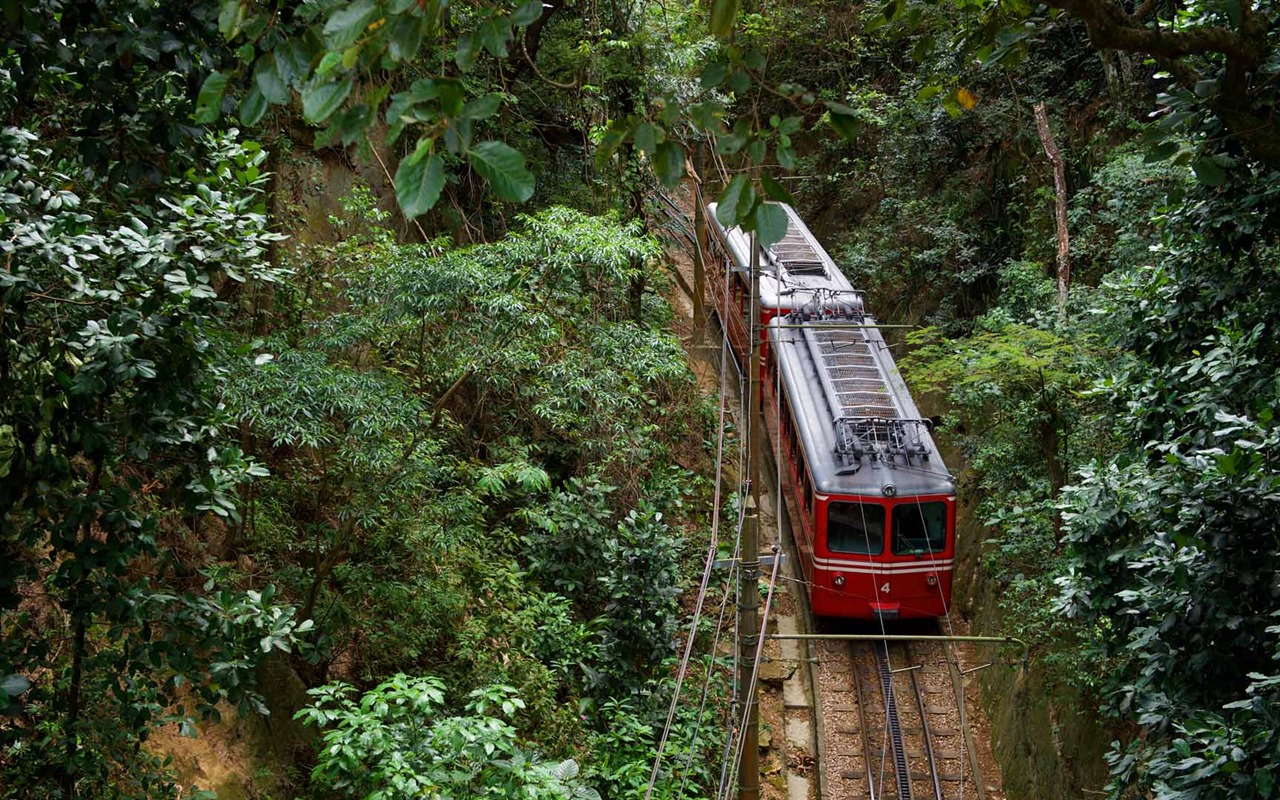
{"x":905,"y":569}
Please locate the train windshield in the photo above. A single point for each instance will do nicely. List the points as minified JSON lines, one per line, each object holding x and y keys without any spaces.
{"x":855,"y":528}
{"x":919,"y":528}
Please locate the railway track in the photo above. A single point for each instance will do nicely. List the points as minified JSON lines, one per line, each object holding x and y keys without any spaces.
{"x":895,"y":723}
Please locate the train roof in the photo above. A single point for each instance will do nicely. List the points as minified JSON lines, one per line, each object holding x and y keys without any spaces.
{"x":861,"y":431}
{"x":794,"y":272}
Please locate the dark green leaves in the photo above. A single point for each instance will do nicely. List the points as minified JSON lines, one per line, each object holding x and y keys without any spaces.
{"x":668,"y":163}
{"x":418,"y":184}
{"x":527,"y":13}
{"x":714,"y":74}
{"x":648,"y":136}
{"x":1209,"y":172}
{"x":504,"y":168}
{"x":844,"y":120}
{"x":321,"y":98}
{"x":252,"y":107}
{"x":268,"y":80}
{"x":209,"y":101}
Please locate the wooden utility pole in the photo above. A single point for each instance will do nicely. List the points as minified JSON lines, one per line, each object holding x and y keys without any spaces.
{"x":700,"y":249}
{"x":1060,"y":215}
{"x":699,"y":264}
{"x":749,"y":594}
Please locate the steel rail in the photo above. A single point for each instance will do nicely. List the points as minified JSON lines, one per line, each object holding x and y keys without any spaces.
{"x":879,"y":637}
{"x":864,"y":730}
{"x":893,"y":723}
{"x":924,"y":729}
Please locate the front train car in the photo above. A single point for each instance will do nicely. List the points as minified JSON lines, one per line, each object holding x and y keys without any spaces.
{"x":872,"y":505}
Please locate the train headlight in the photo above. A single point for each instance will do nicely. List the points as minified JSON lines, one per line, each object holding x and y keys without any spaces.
{"x":838,"y":580}
{"x":931,"y":579}
{"x":889,"y":490}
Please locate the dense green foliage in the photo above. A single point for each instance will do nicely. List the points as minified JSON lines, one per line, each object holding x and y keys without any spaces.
{"x":475,"y":466}
{"x":355,"y":458}
{"x":1120,"y":450}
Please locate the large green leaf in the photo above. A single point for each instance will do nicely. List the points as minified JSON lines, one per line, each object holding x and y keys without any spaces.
{"x":844,"y":120}
{"x":482,"y":107}
{"x":504,"y":168}
{"x":527,"y":13}
{"x":668,"y":163}
{"x":771,"y":223}
{"x":320,"y":99}
{"x":648,"y":136}
{"x":346,"y":25}
{"x":736,"y":201}
{"x":775,"y":190}
{"x":1209,"y":172}
{"x":723,"y":14}
{"x":418,"y":184}
{"x":269,"y":82}
{"x":405,"y":37}
{"x":252,"y":107}
{"x":209,"y":101}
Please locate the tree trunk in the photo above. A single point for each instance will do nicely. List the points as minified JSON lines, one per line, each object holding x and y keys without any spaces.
{"x":1060,"y":215}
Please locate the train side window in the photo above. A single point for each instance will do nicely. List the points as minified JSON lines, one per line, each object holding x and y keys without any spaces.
{"x":856,"y":528}
{"x":919,"y":528}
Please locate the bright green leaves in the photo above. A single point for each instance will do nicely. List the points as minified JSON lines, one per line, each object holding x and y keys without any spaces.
{"x":418,"y":184}
{"x":398,"y":735}
{"x":504,"y":168}
{"x":209,"y":101}
{"x":440,"y":106}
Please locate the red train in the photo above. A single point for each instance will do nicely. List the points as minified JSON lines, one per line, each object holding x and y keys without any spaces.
{"x":871,"y":504}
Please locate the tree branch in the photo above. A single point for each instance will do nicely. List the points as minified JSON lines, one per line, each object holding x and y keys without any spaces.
{"x":1112,"y":29}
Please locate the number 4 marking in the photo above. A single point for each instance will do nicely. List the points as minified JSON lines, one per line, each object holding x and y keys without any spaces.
{"x":885,"y":588}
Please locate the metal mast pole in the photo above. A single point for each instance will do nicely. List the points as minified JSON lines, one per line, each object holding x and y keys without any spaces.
{"x":749,"y":604}
{"x":748,"y":641}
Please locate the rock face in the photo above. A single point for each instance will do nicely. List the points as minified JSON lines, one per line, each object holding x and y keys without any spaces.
{"x":1049,"y":747}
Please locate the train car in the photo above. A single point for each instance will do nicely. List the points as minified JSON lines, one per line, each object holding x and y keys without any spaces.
{"x":794,"y":273}
{"x":872,"y":506}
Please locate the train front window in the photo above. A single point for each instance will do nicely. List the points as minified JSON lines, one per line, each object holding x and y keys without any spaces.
{"x":919,"y":528}
{"x":855,"y":528}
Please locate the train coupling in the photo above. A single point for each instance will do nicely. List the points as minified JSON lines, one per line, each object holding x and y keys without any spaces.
{"x":885,"y":611}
